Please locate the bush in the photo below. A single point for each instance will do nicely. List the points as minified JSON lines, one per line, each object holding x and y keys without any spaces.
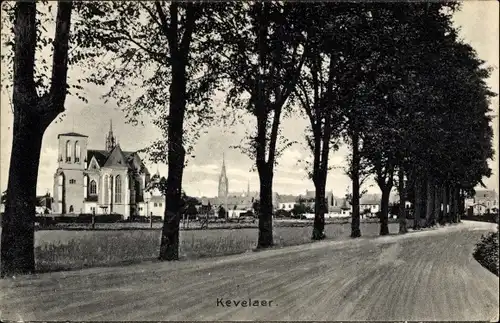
{"x":486,"y":252}
{"x":283,"y":214}
{"x":487,"y":217}
{"x":82,"y":218}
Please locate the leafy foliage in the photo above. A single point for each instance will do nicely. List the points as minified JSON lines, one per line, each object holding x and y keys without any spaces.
{"x":45,"y":22}
{"x":264,"y":46}
{"x":137,"y":63}
{"x":486,"y":252}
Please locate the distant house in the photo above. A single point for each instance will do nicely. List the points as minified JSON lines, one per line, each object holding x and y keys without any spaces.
{"x":238,"y":211}
{"x":156,"y":206}
{"x":286,"y":202}
{"x":369,"y":204}
{"x":332,"y":202}
{"x":45,"y":201}
{"x":479,"y":208}
{"x":484,"y":201}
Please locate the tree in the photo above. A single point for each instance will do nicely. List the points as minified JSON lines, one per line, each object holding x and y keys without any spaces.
{"x":34,"y":109}
{"x":353,"y":88}
{"x":385,"y":102}
{"x":4,"y":197}
{"x":319,"y":101}
{"x":191,"y":203}
{"x":301,"y":208}
{"x":222,"y":212}
{"x":165,"y":53}
{"x":265,"y":46}
{"x":454,"y":133}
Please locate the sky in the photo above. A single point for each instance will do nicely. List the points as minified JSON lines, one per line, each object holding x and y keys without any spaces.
{"x":479,"y":26}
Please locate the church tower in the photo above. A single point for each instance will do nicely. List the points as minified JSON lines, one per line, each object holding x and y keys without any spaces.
{"x":110,"y":138}
{"x":223,"y":182}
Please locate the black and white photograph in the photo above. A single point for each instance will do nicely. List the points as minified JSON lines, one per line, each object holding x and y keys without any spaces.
{"x":249,"y":160}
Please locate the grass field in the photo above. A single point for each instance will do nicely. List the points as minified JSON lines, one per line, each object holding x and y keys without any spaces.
{"x":66,"y":250}
{"x":193,"y":225}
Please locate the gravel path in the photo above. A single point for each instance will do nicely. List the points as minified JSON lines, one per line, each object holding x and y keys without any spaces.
{"x":427,"y":275}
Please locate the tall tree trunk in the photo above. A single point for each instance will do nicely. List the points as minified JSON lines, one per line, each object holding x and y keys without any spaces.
{"x":455,"y":199}
{"x":418,"y":203}
{"x":437,"y":203}
{"x":429,"y":214}
{"x":319,"y":207}
{"x":461,"y":204}
{"x":355,"y":222}
{"x":266,"y":210}
{"x":32,"y":115}
{"x":451,"y":198}
{"x":444,"y":218}
{"x":402,"y":201}
{"x":18,"y":222}
{"x":384,"y":217}
{"x":169,"y":245}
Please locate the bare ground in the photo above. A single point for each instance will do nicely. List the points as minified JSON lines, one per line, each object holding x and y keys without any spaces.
{"x":427,"y":275}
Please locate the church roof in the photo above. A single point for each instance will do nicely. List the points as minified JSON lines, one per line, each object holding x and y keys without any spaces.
{"x":102,"y":157}
{"x":116,"y":158}
{"x":71,"y":134}
{"x":485,"y":194}
{"x":287,"y":198}
{"x":368,"y":200}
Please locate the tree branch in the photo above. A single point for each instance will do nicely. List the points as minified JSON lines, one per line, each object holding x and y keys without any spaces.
{"x":151,"y":14}
{"x":24,"y":53}
{"x":165,"y":27}
{"x":274,"y":135}
{"x":289,"y":87}
{"x":190,"y":20}
{"x":60,"y":60}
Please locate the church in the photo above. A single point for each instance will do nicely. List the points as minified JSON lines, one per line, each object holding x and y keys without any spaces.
{"x":102,"y":181}
{"x":236,"y":203}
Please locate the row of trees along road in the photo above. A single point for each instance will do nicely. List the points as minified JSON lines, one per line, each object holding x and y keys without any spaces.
{"x":391,"y":80}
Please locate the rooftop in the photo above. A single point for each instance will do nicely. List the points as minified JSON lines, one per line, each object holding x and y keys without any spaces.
{"x":71,"y":134}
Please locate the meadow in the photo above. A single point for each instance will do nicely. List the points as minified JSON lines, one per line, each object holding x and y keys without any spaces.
{"x":75,"y":249}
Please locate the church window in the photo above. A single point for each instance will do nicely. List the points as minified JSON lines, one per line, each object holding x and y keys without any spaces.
{"x":159,"y":204}
{"x":93,"y":187}
{"x":72,"y":181}
{"x":77,"y":152}
{"x":68,"y":151}
{"x":156,"y":204}
{"x":71,"y":209}
{"x":118,"y":189}
{"x":106,"y":190}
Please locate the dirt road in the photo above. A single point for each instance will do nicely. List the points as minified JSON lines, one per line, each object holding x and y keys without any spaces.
{"x":420,"y":276}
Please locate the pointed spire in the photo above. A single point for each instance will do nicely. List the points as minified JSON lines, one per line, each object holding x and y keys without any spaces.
{"x":223,"y":181}
{"x":111,"y":141}
{"x":223,"y":172}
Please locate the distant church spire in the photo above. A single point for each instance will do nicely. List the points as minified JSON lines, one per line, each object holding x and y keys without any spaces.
{"x":223,"y":182}
{"x":110,"y":138}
